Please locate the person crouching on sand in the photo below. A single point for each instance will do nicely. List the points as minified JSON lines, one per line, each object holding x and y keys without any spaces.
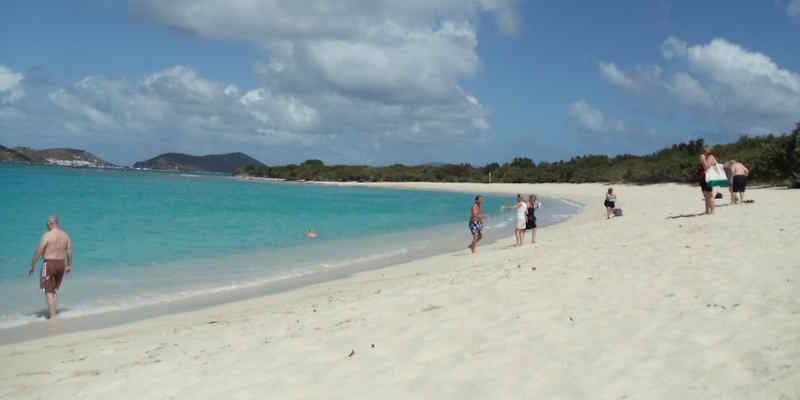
{"x":476,"y":223}
{"x":55,"y":244}
{"x":610,"y":203}
{"x":522,"y":210}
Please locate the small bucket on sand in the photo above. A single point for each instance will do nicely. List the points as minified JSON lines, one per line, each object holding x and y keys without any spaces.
{"x":617,"y":212}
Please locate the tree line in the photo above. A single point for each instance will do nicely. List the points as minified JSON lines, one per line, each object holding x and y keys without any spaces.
{"x":772,"y":159}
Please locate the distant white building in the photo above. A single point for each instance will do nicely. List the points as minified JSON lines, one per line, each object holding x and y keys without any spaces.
{"x":73,"y":163}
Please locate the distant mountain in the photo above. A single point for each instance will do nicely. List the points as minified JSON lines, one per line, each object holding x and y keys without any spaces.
{"x":225,"y":163}
{"x":63,"y":157}
{"x":10,"y":155}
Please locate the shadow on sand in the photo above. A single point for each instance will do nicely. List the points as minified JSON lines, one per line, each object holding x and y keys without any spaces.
{"x":685,"y":216}
{"x":693,"y":215}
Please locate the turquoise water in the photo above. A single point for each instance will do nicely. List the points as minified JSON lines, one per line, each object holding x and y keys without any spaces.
{"x":146,"y":237}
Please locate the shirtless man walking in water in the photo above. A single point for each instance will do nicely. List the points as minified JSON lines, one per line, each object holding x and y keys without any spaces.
{"x":476,"y":223}
{"x":55,"y":244}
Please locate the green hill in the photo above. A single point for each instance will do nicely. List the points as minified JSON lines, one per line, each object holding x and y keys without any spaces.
{"x":225,"y":163}
{"x":58,"y":156}
{"x":10,"y":155}
{"x":771,"y":159}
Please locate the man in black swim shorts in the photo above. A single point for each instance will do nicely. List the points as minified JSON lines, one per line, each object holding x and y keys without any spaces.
{"x":738,"y":180}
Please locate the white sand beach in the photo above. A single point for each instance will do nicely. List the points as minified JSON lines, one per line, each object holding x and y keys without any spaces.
{"x":658,"y":304}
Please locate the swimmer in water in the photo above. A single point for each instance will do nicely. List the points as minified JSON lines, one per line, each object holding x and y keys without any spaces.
{"x":311,"y":234}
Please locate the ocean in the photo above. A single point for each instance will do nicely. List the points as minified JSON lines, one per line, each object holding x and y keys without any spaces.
{"x":143,"y":239}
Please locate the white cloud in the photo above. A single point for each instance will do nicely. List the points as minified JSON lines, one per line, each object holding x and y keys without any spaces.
{"x":178,"y":101}
{"x":10,"y":85}
{"x":640,"y":80}
{"x":288,"y":112}
{"x":673,"y":48}
{"x":739,"y":89}
{"x":77,"y":106}
{"x":176,"y":109}
{"x":689,"y":91}
{"x":793,"y":8}
{"x":336,"y":77}
{"x":505,"y":15}
{"x":648,"y":81}
{"x":615,"y":76}
{"x":593,"y":119}
{"x":268,"y":22}
{"x":747,"y":80}
{"x":359,"y":71}
{"x":409,"y":51}
{"x":181,"y":81}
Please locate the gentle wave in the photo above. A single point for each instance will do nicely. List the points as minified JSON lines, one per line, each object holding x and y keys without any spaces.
{"x":571,"y":203}
{"x":82,"y":310}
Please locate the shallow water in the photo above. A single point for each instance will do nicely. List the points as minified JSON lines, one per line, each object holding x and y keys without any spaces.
{"x":147,"y":238}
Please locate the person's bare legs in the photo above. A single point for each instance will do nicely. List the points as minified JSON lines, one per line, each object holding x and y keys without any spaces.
{"x":51,"y":303}
{"x":609,"y":211}
{"x":533,"y":235}
{"x":741,"y":197}
{"x":475,"y":239}
{"x":709,"y":202}
{"x":705,"y":200}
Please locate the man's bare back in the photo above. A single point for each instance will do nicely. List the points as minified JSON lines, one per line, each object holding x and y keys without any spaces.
{"x":56,"y":249}
{"x":55,"y":244}
{"x":738,"y":168}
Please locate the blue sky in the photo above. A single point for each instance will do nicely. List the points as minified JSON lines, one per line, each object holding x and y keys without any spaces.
{"x":378,"y":81}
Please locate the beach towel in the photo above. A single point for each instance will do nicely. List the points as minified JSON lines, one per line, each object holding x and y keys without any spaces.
{"x":715,"y":176}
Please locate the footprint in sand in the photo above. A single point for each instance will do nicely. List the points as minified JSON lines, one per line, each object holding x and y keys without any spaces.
{"x":85,"y":372}
{"x":33,"y":373}
{"x":342,"y":323}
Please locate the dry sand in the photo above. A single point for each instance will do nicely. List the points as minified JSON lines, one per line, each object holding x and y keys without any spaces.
{"x":639,"y":307}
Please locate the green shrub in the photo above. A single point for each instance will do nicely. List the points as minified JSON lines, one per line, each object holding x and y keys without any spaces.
{"x":770,"y":158}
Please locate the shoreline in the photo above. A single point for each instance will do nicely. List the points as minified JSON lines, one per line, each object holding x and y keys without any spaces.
{"x":650,"y":305}
{"x":219,"y":295}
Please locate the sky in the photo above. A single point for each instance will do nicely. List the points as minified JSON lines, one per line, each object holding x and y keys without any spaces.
{"x":386,"y":81}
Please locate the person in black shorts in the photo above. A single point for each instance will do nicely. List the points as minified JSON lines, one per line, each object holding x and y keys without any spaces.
{"x":610,"y":203}
{"x":707,"y":160}
{"x":739,"y":175}
{"x":530,"y":223}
